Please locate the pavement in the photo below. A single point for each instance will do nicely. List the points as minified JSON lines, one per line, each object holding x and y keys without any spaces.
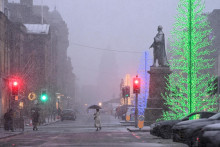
{"x":131,"y":128}
{"x":5,"y":134}
{"x":134,"y":129}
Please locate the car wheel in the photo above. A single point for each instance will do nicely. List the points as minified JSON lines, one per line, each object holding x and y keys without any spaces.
{"x":165,"y":132}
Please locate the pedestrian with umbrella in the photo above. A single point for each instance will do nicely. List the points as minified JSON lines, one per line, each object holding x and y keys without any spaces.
{"x":35,"y":115}
{"x":96,"y":117}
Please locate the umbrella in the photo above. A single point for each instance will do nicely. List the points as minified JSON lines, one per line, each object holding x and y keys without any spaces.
{"x":35,"y":109}
{"x":94,"y":107}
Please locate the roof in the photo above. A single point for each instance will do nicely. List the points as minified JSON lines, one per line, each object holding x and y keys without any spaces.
{"x":37,"y":28}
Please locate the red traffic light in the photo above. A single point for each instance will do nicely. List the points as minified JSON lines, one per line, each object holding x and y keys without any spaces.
{"x":15,"y":83}
{"x":14,"y":87}
{"x":136,"y":81}
{"x":136,"y":85}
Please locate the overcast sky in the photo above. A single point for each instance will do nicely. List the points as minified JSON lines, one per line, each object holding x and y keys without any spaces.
{"x":127,"y":25}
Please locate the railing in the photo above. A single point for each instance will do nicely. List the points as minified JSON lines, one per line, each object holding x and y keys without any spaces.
{"x":18,"y":124}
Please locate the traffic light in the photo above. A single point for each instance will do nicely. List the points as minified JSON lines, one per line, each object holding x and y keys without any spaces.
{"x":123,"y":92}
{"x":44,"y":96}
{"x":127,"y":91}
{"x":14,"y":88}
{"x":136,"y":85}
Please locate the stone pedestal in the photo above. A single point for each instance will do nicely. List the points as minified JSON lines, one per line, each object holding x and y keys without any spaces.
{"x":155,"y":101}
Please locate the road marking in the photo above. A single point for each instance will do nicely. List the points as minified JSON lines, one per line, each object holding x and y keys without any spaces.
{"x":138,"y":137}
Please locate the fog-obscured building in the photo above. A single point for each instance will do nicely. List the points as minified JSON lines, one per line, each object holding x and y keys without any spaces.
{"x":89,"y":95}
{"x":214,"y":20}
{"x":34,"y":47}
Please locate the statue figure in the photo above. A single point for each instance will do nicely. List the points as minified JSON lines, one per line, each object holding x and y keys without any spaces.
{"x":159,"y":48}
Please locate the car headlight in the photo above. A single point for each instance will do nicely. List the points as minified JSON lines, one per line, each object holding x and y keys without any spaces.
{"x":158,"y":125}
{"x":152,"y":125}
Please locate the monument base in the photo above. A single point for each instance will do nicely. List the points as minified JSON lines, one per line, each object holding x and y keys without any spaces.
{"x":152,"y":114}
{"x":156,"y":103}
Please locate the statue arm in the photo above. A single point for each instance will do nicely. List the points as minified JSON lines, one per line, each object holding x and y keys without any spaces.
{"x":152,"y":45}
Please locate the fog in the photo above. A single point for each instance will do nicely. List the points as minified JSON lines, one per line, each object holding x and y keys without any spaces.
{"x":119,"y":25}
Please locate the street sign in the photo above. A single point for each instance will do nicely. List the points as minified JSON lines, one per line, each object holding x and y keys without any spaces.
{"x":32,"y":96}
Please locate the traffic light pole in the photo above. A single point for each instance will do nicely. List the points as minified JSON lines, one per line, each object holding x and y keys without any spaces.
{"x":136,"y":110}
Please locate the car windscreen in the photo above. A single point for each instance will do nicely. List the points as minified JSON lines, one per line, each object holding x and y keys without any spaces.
{"x":192,"y":116}
{"x":216,"y":116}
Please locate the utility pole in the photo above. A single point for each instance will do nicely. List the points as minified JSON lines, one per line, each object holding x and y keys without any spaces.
{"x":136,"y":110}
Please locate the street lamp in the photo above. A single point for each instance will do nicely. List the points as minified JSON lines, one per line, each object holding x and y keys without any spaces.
{"x":100,"y":104}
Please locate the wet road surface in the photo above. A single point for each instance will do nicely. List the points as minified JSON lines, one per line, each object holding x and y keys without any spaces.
{"x":82,"y":133}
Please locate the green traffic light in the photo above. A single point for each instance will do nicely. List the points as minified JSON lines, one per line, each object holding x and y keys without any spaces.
{"x":43,"y":98}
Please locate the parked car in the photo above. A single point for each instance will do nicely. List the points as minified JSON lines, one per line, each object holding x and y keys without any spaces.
{"x":188,"y":131}
{"x":68,"y":114}
{"x":164,"y":128}
{"x":209,"y":136}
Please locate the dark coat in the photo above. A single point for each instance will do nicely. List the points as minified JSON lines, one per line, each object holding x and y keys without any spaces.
{"x":35,"y":117}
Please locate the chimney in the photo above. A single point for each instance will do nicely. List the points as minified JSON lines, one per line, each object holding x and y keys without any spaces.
{"x":27,"y":2}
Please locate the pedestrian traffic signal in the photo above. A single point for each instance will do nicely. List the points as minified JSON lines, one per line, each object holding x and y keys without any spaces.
{"x":44,"y":96}
{"x":136,"y":85}
{"x":15,"y":88}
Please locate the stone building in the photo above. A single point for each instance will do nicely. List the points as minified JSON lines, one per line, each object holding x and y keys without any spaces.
{"x":4,"y":65}
{"x":25,"y":12}
{"x":16,"y":43}
{"x":12,"y":36}
{"x":39,"y":66}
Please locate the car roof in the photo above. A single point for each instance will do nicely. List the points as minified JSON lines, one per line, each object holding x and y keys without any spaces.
{"x":203,"y":112}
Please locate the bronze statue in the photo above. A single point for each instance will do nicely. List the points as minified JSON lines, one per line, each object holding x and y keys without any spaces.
{"x":159,"y":48}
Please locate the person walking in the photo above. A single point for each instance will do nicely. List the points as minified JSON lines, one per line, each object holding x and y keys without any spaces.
{"x":8,"y":118}
{"x":35,"y":119}
{"x":97,"y":120}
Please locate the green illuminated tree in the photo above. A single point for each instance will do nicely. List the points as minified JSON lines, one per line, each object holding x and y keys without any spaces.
{"x":191,"y":47}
